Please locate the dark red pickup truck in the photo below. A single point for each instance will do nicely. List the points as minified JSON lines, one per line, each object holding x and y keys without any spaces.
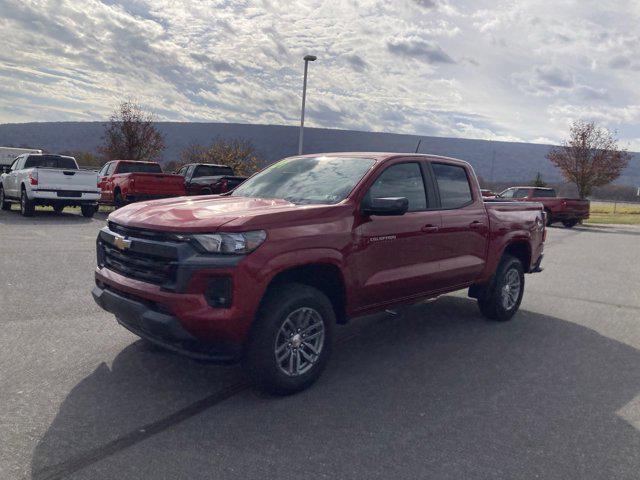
{"x":128,"y":181}
{"x":262,"y":274}
{"x":569,"y":211}
{"x":209,"y":178}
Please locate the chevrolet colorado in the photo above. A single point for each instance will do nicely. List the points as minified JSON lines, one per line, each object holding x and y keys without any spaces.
{"x":128,"y":181}
{"x":50,"y":180}
{"x":569,"y":211}
{"x":263,"y":273}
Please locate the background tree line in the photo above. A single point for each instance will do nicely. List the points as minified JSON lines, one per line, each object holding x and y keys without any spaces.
{"x":589,"y":159}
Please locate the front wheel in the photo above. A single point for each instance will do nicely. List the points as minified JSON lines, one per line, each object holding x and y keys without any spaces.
{"x":501,"y":299}
{"x":88,"y":210}
{"x":290,"y":342}
{"x":27,"y":207}
{"x":118,"y":200}
{"x":570,"y":223}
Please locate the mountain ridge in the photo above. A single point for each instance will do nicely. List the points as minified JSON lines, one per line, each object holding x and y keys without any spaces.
{"x":493,"y":160}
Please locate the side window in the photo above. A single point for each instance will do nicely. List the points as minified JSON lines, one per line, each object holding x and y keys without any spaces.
{"x":508,"y":193}
{"x":521,"y":193}
{"x":453,"y":185}
{"x":190,"y":170}
{"x":103,"y":170}
{"x":112,"y":167}
{"x":182,"y":171}
{"x":544,"y":193}
{"x":401,"y":180}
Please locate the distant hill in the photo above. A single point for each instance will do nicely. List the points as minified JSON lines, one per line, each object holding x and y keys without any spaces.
{"x":494,"y":161}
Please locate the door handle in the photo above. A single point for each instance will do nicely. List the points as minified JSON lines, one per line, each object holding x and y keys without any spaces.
{"x":476,"y":224}
{"x":430,"y":228}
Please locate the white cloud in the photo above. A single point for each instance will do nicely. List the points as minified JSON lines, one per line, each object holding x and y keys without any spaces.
{"x":502,"y":70}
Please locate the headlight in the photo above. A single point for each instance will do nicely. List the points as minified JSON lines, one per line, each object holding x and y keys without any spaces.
{"x":233,"y":243}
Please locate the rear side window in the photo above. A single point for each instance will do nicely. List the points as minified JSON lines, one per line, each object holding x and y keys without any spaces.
{"x":453,"y":185}
{"x":521,"y":193}
{"x":401,"y":180}
{"x":51,"y":161}
{"x":212,"y":171}
{"x":544,"y":193}
{"x":131,"y":167}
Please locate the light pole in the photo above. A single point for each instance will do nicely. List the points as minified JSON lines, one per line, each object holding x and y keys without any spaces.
{"x":307,"y":59}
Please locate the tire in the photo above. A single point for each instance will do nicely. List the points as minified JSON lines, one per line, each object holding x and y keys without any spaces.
{"x":88,"y":210}
{"x":492,"y":301}
{"x":27,"y":207}
{"x":58,"y":208}
{"x":117,"y":199}
{"x":298,"y":306}
{"x":570,"y":223}
{"x":205,"y":191}
{"x":4,"y":204}
{"x":549,"y":219}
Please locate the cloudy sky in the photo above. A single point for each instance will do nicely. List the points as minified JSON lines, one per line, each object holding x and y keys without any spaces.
{"x":503,"y":70}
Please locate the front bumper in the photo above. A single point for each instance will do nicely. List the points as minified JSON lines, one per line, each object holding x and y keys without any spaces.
{"x":175,"y":279}
{"x":161,"y":328}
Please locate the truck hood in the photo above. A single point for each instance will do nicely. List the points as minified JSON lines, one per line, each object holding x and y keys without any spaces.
{"x":208,"y":214}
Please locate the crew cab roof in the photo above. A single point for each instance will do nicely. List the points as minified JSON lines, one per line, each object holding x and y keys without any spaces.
{"x":383,"y":156}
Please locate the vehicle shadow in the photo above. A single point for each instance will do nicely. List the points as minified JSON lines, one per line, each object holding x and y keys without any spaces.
{"x":434,"y":392}
{"x":49,"y":217}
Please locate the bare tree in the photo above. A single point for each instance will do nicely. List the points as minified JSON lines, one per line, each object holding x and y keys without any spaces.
{"x":236,"y":153}
{"x":539,"y":182}
{"x":590,"y":157}
{"x":131,"y":135}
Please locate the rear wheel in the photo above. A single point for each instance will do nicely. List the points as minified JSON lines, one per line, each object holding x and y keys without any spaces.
{"x":549,"y":219}
{"x":88,"y":210}
{"x":4,"y":203}
{"x":27,"y":207}
{"x":570,"y":223}
{"x":501,"y":298}
{"x":205,"y":191}
{"x":290,"y":342}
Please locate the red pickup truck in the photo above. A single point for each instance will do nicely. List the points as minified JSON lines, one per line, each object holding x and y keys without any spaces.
{"x":569,"y":211}
{"x":209,"y":178}
{"x":262,"y":274}
{"x":128,"y":181}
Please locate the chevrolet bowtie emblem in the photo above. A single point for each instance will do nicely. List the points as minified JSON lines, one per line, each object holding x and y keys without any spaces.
{"x":121,"y":243}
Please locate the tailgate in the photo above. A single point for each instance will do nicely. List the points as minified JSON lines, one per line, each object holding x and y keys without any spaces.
{"x":575,"y":205}
{"x":67,"y":180}
{"x":157,"y":183}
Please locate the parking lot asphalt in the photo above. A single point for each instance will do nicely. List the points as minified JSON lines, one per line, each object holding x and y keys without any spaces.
{"x":433,"y":392}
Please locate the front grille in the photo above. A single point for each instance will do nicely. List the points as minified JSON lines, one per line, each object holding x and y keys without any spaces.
{"x":136,"y":265}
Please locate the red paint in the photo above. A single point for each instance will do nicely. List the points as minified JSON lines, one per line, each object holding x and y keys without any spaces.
{"x":383,"y":261}
{"x":135,"y":186}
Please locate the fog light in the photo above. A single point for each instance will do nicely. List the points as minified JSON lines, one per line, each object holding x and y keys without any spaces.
{"x":218,"y":293}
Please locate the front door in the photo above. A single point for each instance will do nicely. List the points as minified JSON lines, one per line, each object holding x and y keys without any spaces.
{"x":395,"y":257}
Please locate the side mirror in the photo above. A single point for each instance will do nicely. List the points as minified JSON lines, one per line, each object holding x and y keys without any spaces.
{"x":385,"y":206}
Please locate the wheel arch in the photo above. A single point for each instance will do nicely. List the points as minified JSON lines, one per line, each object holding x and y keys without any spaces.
{"x":520,"y":249}
{"x":324,"y":276}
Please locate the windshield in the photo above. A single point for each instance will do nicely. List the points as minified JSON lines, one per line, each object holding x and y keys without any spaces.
{"x":211,"y":171}
{"x":132,"y":167}
{"x":307,"y":180}
{"x":51,"y":161}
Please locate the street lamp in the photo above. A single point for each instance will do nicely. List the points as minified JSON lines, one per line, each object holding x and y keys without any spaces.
{"x":307,"y":59}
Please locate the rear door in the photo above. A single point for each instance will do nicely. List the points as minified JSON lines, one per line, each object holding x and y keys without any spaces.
{"x":395,"y":258}
{"x":464,"y":233}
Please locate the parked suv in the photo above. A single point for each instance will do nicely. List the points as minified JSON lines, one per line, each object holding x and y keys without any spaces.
{"x":262,"y":274}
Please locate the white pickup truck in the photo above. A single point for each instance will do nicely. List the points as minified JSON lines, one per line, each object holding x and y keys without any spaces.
{"x":52,"y":180}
